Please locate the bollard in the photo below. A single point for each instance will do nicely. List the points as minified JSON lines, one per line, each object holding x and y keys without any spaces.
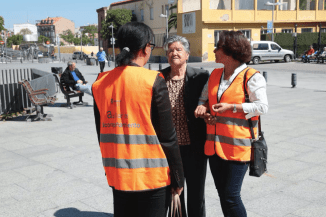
{"x":149,"y":66}
{"x":109,"y":63}
{"x":294,"y":80}
{"x":21,"y":60}
{"x":96,"y":62}
{"x":160,"y":66}
{"x":265,"y":76}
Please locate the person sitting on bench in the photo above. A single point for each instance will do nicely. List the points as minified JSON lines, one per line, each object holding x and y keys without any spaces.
{"x":73,"y":78}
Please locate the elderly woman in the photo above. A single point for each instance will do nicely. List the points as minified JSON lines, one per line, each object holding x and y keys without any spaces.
{"x":185,"y":85}
{"x":228,"y":142}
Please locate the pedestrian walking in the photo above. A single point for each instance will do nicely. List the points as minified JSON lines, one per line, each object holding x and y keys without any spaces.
{"x":228,"y":142}
{"x":101,"y":55}
{"x":92,"y":54}
{"x":134,"y":124}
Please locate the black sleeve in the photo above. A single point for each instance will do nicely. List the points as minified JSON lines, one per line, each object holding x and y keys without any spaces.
{"x":162,"y":122}
{"x":97,"y":120}
{"x":66,"y":79}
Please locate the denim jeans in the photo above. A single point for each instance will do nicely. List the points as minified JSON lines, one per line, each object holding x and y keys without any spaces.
{"x":228,"y":177}
{"x":84,"y":88}
{"x":142,"y":204}
{"x":194,"y":167}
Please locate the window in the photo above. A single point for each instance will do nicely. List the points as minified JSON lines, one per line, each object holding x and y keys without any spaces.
{"x":306,"y":30}
{"x":289,"y":5}
{"x":247,"y":33}
{"x":263,"y":31}
{"x":323,"y":30}
{"x":275,"y":47}
{"x":287,"y":30}
{"x":262,"y":46}
{"x":244,"y":5}
{"x":142,"y":15}
{"x":220,"y":4}
{"x":307,"y":4}
{"x":151,"y":11}
{"x":261,"y":5}
{"x":217,"y":36}
{"x":166,"y":10}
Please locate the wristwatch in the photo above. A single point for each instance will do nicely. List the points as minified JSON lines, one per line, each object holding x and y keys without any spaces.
{"x":234,"y":109}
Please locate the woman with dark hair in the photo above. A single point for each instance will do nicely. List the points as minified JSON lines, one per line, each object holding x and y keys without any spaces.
{"x":185,"y":85}
{"x":134,"y":124}
{"x":228,"y":142}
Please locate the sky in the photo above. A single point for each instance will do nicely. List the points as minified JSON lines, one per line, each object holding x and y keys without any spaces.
{"x":81,"y":12}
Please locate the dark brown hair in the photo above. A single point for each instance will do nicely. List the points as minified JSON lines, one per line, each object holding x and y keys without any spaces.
{"x":235,"y":44}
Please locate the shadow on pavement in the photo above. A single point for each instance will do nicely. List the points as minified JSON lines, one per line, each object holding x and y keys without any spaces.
{"x":73,"y":212}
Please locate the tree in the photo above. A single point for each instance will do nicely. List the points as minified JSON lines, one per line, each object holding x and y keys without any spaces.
{"x":173,"y":19}
{"x":118,"y":17}
{"x":14,"y":40}
{"x":91,"y":30}
{"x":42,"y":39}
{"x":25,"y":31}
{"x":68,"y":36}
{"x":2,"y":23}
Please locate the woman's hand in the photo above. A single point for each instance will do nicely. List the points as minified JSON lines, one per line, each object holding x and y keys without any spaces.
{"x":200,"y":111}
{"x":209,"y":119}
{"x":221,"y":107}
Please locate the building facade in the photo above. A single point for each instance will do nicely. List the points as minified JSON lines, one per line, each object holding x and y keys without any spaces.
{"x":52,"y":26}
{"x":146,"y":11}
{"x":201,"y":21}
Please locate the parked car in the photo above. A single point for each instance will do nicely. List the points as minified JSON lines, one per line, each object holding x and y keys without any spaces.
{"x":269,"y":50}
{"x":38,"y":54}
{"x":79,"y":55}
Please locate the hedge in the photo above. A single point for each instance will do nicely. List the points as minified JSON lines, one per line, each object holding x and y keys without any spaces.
{"x":304,"y":40}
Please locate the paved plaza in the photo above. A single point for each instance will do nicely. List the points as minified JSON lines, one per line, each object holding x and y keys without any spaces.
{"x":54,"y":168}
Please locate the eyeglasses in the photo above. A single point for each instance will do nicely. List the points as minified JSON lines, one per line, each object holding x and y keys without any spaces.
{"x":152,"y":46}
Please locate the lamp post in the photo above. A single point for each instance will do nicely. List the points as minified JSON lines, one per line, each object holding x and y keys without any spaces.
{"x":167,"y":22}
{"x":273,"y":4}
{"x":113,"y":42}
{"x":81,"y":43}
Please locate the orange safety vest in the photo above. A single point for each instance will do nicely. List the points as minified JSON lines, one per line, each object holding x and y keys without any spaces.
{"x":132,"y":155}
{"x":230,"y":138}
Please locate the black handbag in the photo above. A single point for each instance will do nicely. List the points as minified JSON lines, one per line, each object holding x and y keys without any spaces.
{"x":258,"y":161}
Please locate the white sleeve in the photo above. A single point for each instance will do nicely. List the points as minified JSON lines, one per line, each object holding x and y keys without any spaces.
{"x":204,"y":95}
{"x":257,"y":96}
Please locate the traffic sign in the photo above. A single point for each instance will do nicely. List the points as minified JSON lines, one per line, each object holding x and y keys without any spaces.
{"x":269,"y":26}
{"x":112,"y":39}
{"x":47,"y":42}
{"x":2,"y":42}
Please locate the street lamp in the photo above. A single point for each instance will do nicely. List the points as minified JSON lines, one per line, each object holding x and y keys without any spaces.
{"x":273,"y":4}
{"x":113,"y":42}
{"x":81,"y":43}
{"x":167,"y":22}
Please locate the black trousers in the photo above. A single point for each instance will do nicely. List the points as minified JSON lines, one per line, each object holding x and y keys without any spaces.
{"x":142,"y":204}
{"x":228,"y":177}
{"x":102,"y":65}
{"x":194,"y":167}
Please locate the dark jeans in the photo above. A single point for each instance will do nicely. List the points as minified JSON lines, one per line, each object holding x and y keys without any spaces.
{"x":142,"y":204}
{"x":228,"y":177}
{"x":102,"y":64}
{"x":194,"y":167}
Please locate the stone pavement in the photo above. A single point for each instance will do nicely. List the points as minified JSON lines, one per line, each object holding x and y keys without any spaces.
{"x":55,"y":169}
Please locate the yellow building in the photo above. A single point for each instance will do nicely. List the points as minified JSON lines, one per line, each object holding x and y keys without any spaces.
{"x":201,"y":21}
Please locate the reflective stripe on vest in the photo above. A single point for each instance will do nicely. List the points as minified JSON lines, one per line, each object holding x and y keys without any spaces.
{"x":132,"y":155}
{"x":230,"y":138}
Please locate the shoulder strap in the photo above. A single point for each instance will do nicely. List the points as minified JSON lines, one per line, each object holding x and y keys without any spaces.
{"x":247,"y":100}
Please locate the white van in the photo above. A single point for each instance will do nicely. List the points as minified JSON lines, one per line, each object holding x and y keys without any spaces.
{"x":269,"y":50}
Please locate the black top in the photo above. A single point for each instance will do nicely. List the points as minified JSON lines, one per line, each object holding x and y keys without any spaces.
{"x":161,"y":117}
{"x":68,"y":79}
{"x":194,"y":83}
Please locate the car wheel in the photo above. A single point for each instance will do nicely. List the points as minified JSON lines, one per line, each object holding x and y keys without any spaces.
{"x":255,"y":60}
{"x":287,"y":58}
{"x":276,"y":61}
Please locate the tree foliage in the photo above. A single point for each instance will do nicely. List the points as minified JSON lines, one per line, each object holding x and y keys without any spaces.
{"x":43,"y":39}
{"x":2,"y":23}
{"x":117,"y":17}
{"x":68,"y":36}
{"x":91,"y":30}
{"x":173,"y":18}
{"x":25,"y":31}
{"x":14,"y":40}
